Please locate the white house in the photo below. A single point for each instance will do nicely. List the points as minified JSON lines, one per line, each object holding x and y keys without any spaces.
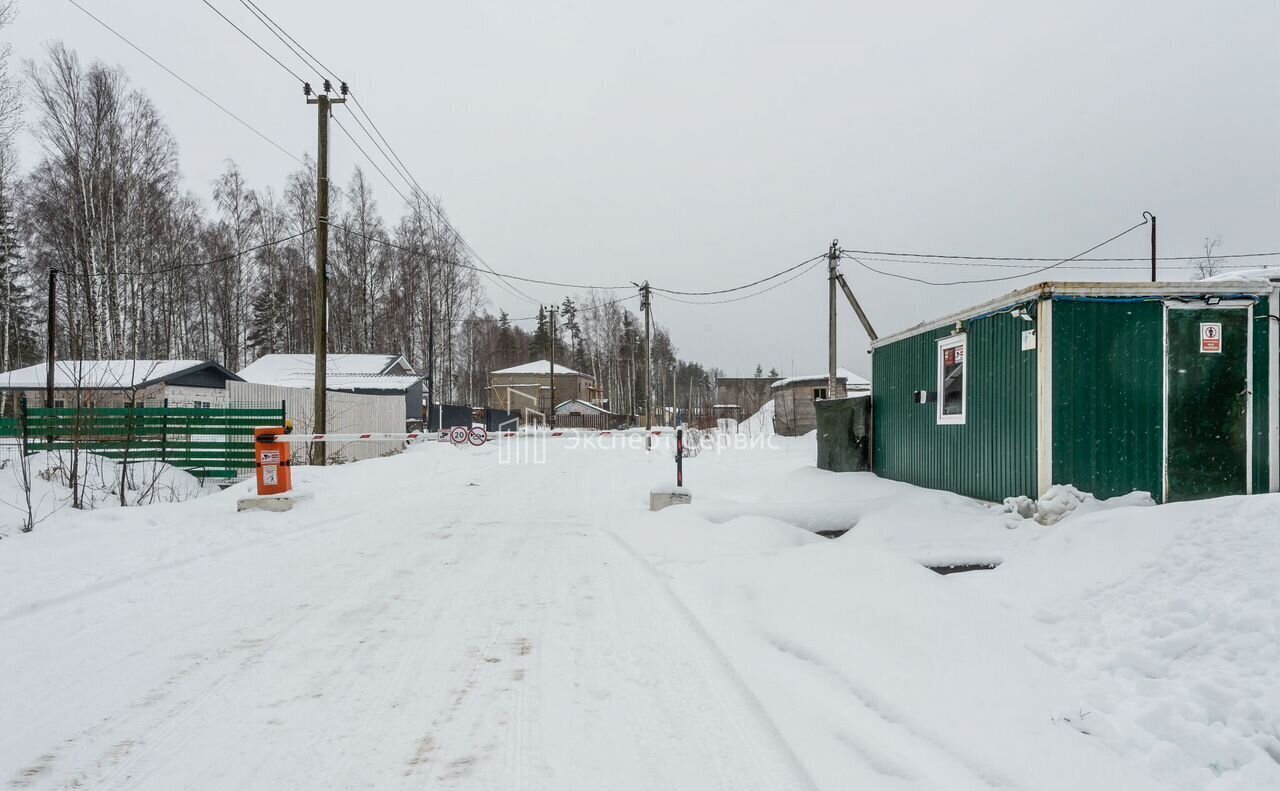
{"x":108,"y":383}
{"x":366,"y":374}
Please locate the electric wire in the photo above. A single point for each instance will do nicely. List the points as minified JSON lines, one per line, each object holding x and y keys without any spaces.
{"x":184,"y":81}
{"x":867,"y":266}
{"x":991,"y":265}
{"x":812,"y":263}
{"x":178,"y":267}
{"x":259,"y":15}
{"x":461,"y":265}
{"x":1041,"y":260}
{"x":324,"y":70}
{"x":511,"y":289}
{"x":389,"y":154}
{"x":254,"y":42}
{"x":738,"y":288}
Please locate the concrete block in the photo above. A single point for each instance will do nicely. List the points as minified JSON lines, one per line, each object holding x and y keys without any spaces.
{"x":662,"y":496}
{"x":275,"y":503}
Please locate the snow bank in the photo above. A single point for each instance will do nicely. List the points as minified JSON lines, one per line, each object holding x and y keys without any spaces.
{"x":1127,"y":645}
{"x":878,"y":672}
{"x":1064,"y":499}
{"x":98,"y":480}
{"x":1169,"y":618}
{"x":761,"y":423}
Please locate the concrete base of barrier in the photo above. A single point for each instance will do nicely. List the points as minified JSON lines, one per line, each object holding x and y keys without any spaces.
{"x":275,"y":503}
{"x":662,"y":496}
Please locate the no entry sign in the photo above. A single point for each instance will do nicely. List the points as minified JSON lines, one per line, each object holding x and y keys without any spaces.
{"x":1210,"y":337}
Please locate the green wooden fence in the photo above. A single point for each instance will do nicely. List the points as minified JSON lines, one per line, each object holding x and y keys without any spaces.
{"x":208,"y":443}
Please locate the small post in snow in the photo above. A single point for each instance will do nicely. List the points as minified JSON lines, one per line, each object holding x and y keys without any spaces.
{"x":679,"y":457}
{"x":662,"y":496}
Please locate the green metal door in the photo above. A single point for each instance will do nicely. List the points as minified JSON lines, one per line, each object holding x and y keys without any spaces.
{"x":1208,"y":437}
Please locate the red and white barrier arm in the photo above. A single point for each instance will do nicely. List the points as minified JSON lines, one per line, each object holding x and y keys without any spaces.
{"x":296,"y":439}
{"x":378,"y":436}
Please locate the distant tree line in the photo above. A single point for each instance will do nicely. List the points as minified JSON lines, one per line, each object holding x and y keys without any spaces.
{"x":105,"y":206}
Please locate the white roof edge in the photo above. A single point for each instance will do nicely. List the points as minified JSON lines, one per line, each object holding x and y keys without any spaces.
{"x":1083,"y":289}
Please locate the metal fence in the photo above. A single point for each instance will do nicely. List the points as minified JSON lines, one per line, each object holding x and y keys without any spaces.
{"x":345,"y":413}
{"x":208,"y":443}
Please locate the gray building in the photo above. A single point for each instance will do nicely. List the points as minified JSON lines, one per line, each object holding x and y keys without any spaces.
{"x":793,"y":399}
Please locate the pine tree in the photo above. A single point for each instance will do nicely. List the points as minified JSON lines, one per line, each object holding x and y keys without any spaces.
{"x":569,"y":314}
{"x":540,"y":345}
{"x":506,"y":346}
{"x":773,"y":372}
{"x":759,"y":371}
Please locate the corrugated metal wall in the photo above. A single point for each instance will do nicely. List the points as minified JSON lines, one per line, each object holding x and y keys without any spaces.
{"x":347,"y":413}
{"x":991,"y":456}
{"x":1108,"y":396}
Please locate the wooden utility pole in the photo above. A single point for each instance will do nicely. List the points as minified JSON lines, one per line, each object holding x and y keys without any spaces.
{"x":431,"y":363}
{"x":833,"y":259}
{"x":321,"y":342}
{"x":52,"y":334}
{"x":646,"y":303}
{"x":551,"y":413}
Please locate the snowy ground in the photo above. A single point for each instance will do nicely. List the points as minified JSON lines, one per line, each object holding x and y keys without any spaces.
{"x":443,"y":620}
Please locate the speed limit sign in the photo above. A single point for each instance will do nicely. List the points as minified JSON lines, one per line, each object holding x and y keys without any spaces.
{"x":458,"y":435}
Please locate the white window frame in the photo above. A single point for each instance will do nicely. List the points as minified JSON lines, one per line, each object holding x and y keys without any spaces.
{"x":951,"y":342}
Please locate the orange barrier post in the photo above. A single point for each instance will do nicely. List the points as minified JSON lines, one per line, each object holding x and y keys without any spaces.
{"x":275,"y":473}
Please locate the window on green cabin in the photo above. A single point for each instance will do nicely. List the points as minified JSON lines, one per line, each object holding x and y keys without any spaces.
{"x":952,"y":387}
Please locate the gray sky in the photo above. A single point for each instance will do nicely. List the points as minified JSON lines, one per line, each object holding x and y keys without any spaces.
{"x":705,"y":144}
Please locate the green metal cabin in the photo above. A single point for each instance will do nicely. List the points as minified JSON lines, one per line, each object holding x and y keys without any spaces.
{"x":1169,"y":388}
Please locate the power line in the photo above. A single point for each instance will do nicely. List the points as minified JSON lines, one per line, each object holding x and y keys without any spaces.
{"x":368,"y":159}
{"x":325,"y":71}
{"x":1040,"y":260}
{"x":260,"y":16}
{"x":812,"y":263}
{"x":996,"y":279}
{"x":178,"y":267}
{"x":991,"y":265}
{"x":462,"y":265}
{"x":182,"y":80}
{"x":254,"y":42}
{"x":506,"y":286}
{"x":738,"y":288}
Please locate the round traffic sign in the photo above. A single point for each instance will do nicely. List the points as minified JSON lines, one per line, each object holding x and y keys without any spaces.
{"x":477,"y":436}
{"x":458,"y":435}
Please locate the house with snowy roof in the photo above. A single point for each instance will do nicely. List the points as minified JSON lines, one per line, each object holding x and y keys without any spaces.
{"x":527,"y":387}
{"x":794,"y":399}
{"x":115,"y":383}
{"x":364,"y":374}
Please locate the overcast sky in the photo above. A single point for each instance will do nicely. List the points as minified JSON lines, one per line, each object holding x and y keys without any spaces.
{"x":705,"y":144}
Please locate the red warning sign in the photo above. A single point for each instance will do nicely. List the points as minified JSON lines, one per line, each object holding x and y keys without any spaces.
{"x":1210,"y":337}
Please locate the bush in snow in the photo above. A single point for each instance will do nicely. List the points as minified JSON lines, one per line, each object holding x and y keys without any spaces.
{"x":45,"y":486}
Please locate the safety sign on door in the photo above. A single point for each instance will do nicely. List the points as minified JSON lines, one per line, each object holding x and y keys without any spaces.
{"x":1210,"y":337}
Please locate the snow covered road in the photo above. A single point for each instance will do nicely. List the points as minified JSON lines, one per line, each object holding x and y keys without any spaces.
{"x":442,"y":620}
{"x":437,"y":636}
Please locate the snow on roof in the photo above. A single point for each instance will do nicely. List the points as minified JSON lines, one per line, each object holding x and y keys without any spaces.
{"x":851,"y":380}
{"x":393,"y":382}
{"x":287,"y":369}
{"x":538,"y":367}
{"x":1258,"y":275}
{"x":99,"y":374}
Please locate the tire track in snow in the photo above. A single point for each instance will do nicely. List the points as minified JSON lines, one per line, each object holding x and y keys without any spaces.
{"x":756,"y":740}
